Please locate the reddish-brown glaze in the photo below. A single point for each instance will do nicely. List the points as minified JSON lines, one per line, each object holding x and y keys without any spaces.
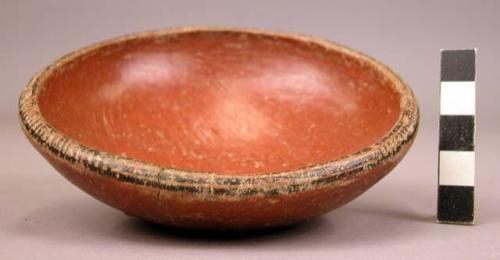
{"x":267,"y":129}
{"x":185,"y":209}
{"x":225,"y":102}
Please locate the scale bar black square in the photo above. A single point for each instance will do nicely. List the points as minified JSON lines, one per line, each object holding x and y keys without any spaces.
{"x":458,"y":65}
{"x":456,"y":133}
{"x":456,"y":204}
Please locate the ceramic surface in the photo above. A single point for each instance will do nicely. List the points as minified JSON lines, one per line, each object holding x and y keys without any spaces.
{"x":220,"y":128}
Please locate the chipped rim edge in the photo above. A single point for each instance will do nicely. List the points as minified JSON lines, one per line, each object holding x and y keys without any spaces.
{"x":142,"y":173}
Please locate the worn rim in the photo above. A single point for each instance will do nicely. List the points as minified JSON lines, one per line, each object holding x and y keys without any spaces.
{"x":142,"y":173}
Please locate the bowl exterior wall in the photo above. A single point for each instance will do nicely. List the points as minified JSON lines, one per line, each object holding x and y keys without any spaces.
{"x":191,"y":210}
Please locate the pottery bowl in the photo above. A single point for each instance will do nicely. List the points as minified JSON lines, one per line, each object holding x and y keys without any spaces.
{"x":220,"y":128}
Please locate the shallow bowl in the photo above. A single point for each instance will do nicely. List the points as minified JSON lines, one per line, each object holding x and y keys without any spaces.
{"x":220,"y":128}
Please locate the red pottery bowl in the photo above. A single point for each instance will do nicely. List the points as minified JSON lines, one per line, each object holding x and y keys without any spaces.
{"x":219,"y":128}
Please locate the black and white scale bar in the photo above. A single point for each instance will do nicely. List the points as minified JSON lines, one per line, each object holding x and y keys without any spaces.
{"x":457,"y":137}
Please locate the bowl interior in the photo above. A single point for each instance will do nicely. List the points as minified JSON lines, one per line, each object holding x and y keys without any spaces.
{"x":225,"y":102}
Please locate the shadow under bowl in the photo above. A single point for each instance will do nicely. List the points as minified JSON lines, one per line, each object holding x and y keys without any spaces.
{"x":220,"y":128}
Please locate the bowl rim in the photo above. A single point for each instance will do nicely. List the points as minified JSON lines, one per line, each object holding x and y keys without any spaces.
{"x":137,"y":172}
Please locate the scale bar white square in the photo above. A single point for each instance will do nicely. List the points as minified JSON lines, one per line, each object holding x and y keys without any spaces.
{"x":456,"y":168}
{"x":458,"y":98}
